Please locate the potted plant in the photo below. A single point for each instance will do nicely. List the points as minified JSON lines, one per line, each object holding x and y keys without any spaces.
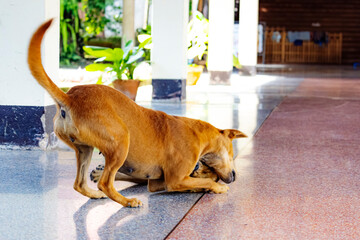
{"x":121,"y":62}
{"x":198,"y":33}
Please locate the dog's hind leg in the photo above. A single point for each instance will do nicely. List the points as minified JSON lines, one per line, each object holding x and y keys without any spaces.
{"x":83,"y":156}
{"x":106,"y":183}
{"x":114,"y":159}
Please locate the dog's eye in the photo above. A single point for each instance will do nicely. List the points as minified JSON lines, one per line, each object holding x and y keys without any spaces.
{"x":196,"y":167}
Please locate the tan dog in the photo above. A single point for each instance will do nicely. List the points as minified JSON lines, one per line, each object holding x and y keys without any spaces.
{"x":143,"y":143}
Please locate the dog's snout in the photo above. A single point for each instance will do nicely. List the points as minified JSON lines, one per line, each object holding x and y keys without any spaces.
{"x":233,"y":175}
{"x":230,"y":177}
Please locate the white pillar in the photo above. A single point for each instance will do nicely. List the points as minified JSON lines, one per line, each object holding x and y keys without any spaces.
{"x":221,"y":28}
{"x":168,"y":56}
{"x":22,"y":100}
{"x":17,"y":86}
{"x":128,"y":20}
{"x":248,"y":34}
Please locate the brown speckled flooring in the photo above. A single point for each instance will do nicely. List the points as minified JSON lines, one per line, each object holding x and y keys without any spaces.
{"x":298,"y":178}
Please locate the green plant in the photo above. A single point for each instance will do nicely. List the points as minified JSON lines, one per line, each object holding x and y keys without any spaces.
{"x":145,"y":41}
{"x":69,"y":31}
{"x":95,"y":19}
{"x":146,"y":30}
{"x":198,"y":34}
{"x":120,"y":61}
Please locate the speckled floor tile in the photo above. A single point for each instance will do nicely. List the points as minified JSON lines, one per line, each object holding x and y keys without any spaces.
{"x":299,"y":178}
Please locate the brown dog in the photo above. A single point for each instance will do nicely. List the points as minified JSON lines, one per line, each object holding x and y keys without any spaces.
{"x":142,"y":143}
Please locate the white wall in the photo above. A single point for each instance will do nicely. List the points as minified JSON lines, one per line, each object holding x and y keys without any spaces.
{"x":18,"y":20}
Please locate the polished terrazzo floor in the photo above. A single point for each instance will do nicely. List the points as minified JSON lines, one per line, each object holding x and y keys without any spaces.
{"x":298,"y":170}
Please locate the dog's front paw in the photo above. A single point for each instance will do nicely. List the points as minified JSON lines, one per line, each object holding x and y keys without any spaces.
{"x":220,"y":188}
{"x":133,"y":203}
{"x":96,"y":173}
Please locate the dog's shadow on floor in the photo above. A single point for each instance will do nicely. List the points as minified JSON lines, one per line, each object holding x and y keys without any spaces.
{"x":160,"y":212}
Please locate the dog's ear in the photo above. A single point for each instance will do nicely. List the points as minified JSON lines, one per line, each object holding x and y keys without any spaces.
{"x":233,"y":133}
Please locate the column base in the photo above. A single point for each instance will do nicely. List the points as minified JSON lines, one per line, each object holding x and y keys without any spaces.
{"x":220,"y":77}
{"x":169,"y":89}
{"x":26,"y":126}
{"x":248,"y":70}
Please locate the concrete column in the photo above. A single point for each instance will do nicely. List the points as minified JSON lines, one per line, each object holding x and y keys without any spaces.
{"x":221,"y":27}
{"x":140,"y":14}
{"x":168,"y":56}
{"x":128,"y":20}
{"x":248,"y":34}
{"x":22,"y":101}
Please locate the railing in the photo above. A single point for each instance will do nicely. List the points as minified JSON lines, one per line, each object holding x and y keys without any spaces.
{"x":309,"y":52}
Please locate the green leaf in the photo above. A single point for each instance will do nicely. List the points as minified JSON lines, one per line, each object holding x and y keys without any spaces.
{"x":128,"y":44}
{"x":61,"y":10}
{"x":236,"y":62}
{"x":95,"y":48}
{"x":73,"y":36}
{"x":100,"y":52}
{"x":147,"y":41}
{"x":118,"y":54}
{"x":127,"y":48}
{"x":143,"y":37}
{"x":120,"y":71}
{"x":135,"y":57}
{"x":100,"y":60}
{"x":98,"y":67}
{"x":64,"y":35}
{"x":76,"y":24}
{"x":99,"y":81}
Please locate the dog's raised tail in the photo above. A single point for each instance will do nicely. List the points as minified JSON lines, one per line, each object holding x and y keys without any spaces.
{"x":37,"y":69}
